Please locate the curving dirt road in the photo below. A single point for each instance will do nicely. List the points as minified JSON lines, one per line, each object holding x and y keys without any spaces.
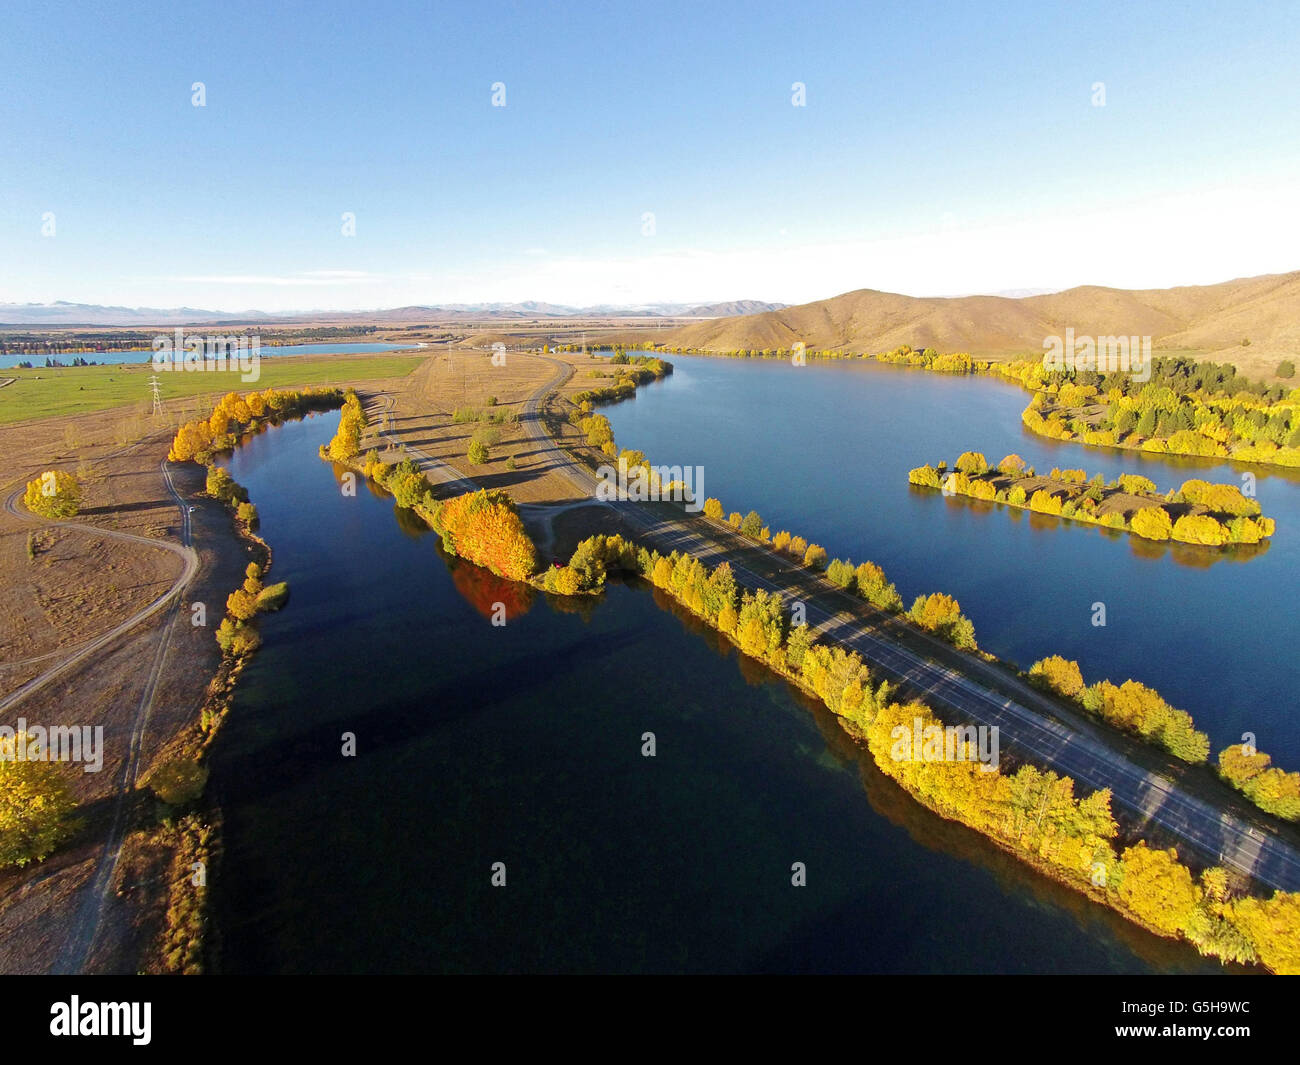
{"x":80,"y":937}
{"x":183,"y":550}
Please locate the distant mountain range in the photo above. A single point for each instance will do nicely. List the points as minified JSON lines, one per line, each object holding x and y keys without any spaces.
{"x":1264,"y":310}
{"x":62,"y":313}
{"x":1206,"y":318}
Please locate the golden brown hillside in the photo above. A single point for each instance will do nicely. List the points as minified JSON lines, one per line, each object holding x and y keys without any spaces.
{"x":1211,"y":320}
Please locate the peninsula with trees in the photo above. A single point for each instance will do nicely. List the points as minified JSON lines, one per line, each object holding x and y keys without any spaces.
{"x":1198,"y":512}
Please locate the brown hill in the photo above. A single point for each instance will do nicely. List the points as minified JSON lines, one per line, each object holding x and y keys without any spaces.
{"x":1211,"y":320}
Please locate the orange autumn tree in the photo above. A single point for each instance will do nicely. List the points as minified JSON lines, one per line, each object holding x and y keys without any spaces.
{"x":484,"y":528}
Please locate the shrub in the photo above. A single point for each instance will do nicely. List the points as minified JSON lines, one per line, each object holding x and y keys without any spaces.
{"x":272,"y":597}
{"x":178,"y":782}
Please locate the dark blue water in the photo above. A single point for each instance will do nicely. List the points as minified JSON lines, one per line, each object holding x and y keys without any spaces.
{"x":823,"y":450}
{"x":522,"y":744}
{"x":115,"y":357}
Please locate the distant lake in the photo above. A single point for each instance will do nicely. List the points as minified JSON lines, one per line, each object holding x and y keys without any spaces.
{"x":113,"y":358}
{"x":823,"y":450}
{"x":522,"y":744}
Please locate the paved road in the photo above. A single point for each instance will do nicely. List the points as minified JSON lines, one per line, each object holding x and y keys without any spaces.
{"x":962,"y":688}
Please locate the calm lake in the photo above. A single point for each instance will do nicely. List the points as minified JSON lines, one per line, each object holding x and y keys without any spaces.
{"x":823,"y":450}
{"x":522,"y":744}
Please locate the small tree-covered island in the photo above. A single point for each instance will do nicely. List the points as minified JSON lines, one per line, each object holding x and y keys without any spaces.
{"x":1198,"y":512}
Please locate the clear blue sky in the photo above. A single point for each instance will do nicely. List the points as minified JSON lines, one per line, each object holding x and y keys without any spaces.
{"x":944,"y":148}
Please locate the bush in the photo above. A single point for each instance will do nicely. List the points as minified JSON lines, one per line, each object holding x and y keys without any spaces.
{"x":272,"y":597}
{"x":178,"y":782}
{"x":478,"y":452}
{"x":1286,"y":369}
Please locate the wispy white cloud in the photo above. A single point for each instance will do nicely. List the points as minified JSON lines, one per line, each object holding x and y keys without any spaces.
{"x":317,"y":278}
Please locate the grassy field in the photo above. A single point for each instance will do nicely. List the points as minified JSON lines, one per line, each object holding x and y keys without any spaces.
{"x":46,"y":393}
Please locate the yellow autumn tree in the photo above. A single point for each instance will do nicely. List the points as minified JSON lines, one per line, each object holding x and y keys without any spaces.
{"x":1157,"y":888}
{"x":484,"y":528}
{"x":941,"y":613}
{"x":1152,"y":523}
{"x":1058,"y":674}
{"x":54,"y":494}
{"x":36,"y":805}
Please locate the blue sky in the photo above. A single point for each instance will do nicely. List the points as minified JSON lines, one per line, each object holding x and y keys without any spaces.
{"x":943,"y":149}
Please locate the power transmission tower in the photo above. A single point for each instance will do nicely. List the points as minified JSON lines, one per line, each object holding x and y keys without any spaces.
{"x":155,"y":387}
